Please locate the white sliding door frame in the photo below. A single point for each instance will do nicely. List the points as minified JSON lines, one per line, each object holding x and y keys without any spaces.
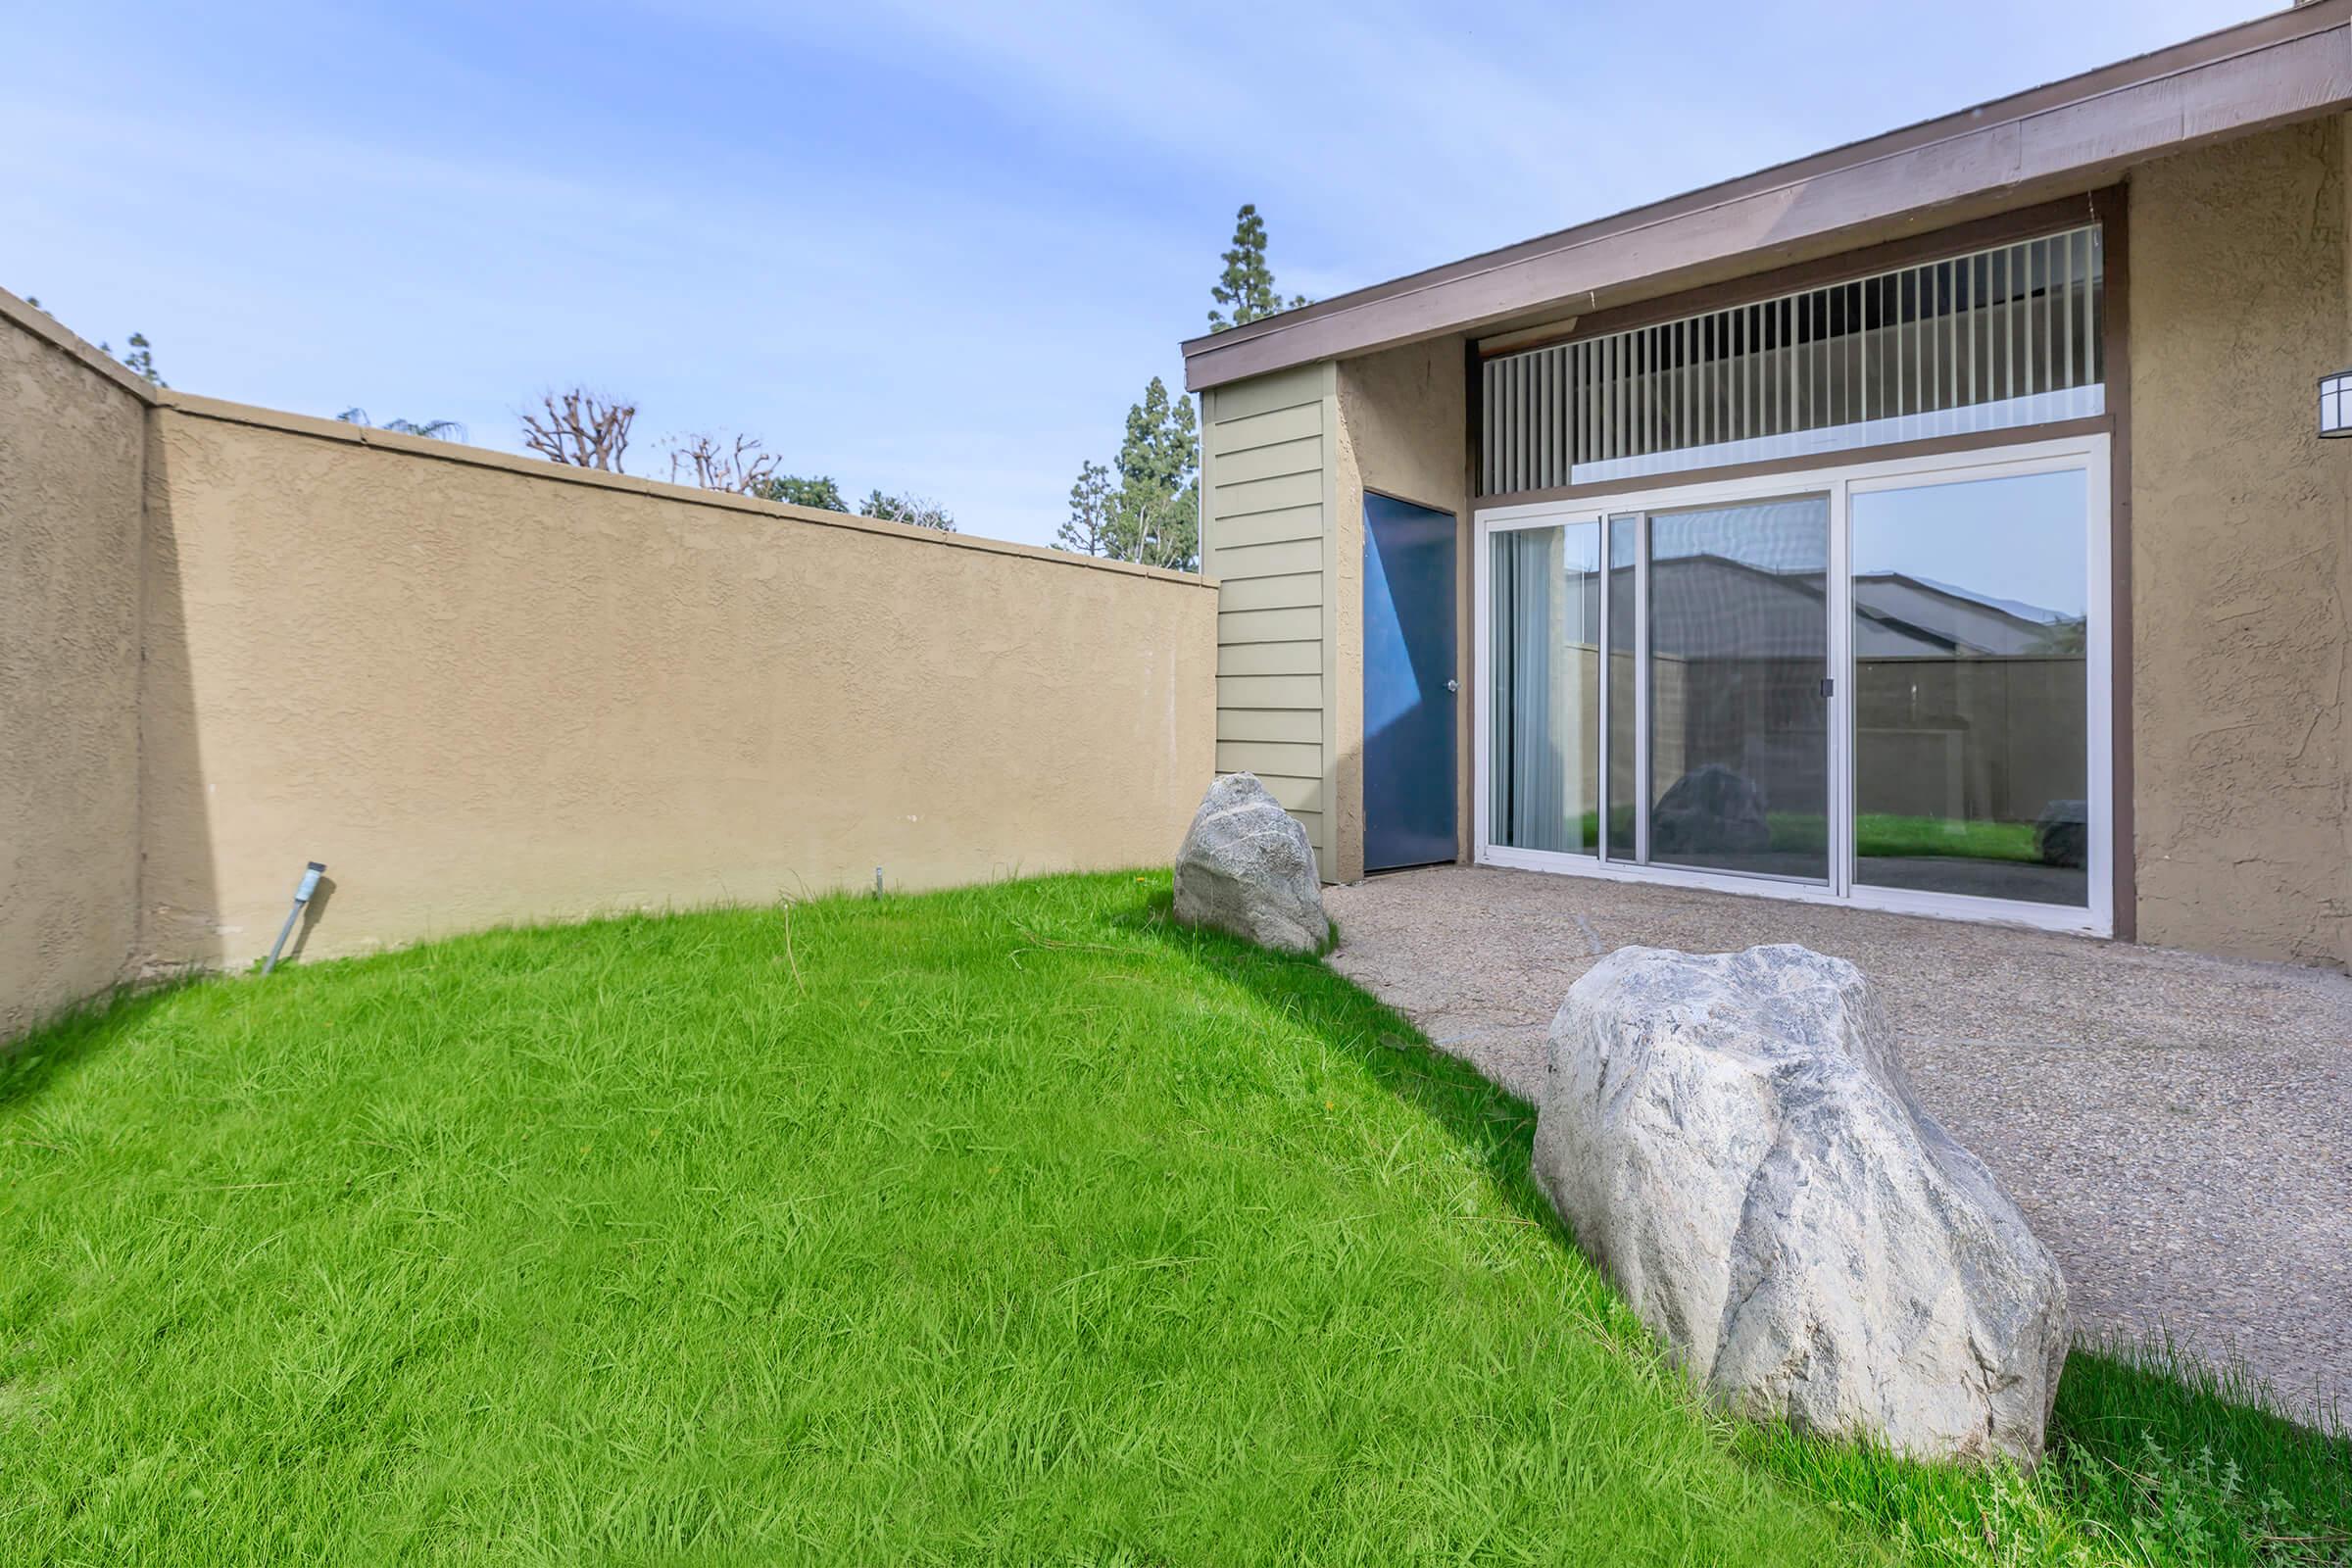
{"x":1839,"y":483}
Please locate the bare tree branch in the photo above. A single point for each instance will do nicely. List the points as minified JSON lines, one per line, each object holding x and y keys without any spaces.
{"x":585,"y":429}
{"x":701,"y":461}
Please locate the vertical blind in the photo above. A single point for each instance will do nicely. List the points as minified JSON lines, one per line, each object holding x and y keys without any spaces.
{"x":1544,"y":671}
{"x":2002,"y":336}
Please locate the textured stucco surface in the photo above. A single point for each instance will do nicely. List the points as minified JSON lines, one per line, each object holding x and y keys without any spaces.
{"x":481,"y":693}
{"x":1403,"y":432}
{"x":2239,"y":551}
{"x":70,"y":444}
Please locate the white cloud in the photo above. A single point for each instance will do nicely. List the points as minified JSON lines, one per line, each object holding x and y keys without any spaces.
{"x":925,"y":247}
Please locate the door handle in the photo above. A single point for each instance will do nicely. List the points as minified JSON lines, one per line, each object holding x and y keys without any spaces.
{"x":1454,"y":685}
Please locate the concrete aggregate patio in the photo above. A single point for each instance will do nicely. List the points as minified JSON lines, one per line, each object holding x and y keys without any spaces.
{"x":2177,"y":1128}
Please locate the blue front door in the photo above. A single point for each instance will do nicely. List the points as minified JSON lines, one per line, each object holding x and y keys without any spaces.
{"x":1410,"y":685}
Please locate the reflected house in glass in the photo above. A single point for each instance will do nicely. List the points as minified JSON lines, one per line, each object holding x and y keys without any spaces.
{"x":1933,"y":525}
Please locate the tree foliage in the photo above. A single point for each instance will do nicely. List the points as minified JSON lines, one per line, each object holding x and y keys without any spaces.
{"x":141,"y":360}
{"x":591,"y":431}
{"x":1151,"y":515}
{"x":438,"y":429}
{"x":1156,"y":513}
{"x":917,"y":511}
{"x":1089,"y":528}
{"x":817,"y":491}
{"x":1247,"y":285}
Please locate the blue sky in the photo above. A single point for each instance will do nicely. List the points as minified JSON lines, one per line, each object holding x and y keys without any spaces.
{"x":935,"y":249}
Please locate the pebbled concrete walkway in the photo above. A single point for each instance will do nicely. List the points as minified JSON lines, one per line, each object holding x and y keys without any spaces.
{"x":2177,"y":1128}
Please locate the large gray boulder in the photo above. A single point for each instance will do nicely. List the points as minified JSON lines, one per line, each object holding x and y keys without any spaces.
{"x":1247,"y":867}
{"x":1734,"y":1140}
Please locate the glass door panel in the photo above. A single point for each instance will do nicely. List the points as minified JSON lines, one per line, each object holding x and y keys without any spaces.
{"x":1544,"y":723}
{"x":1624,"y":661}
{"x":1739,"y":709}
{"x":1970,"y":723}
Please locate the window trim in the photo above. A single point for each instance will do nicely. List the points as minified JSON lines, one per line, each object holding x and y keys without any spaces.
{"x":2089,"y":453}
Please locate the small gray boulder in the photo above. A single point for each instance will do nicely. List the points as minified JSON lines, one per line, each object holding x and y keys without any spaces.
{"x":1247,"y":867}
{"x":1733,"y":1140}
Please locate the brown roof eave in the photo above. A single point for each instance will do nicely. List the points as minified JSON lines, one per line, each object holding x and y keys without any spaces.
{"x":2059,"y":140}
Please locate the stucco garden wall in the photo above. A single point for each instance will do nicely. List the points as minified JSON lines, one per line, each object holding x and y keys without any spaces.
{"x":71,"y":435}
{"x":2241,"y":549}
{"x":485,"y":689}
{"x":481,"y":692}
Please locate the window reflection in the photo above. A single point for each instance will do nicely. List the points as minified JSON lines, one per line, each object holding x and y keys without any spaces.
{"x":1971,"y":688}
{"x":1739,"y":721}
{"x":1624,"y":671}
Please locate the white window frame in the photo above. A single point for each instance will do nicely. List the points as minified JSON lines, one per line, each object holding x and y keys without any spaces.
{"x":2088,"y":453}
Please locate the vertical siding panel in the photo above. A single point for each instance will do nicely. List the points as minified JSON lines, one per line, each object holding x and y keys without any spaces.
{"x":1284,"y":706}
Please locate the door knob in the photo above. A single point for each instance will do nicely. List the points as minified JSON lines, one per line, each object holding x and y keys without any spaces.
{"x":1454,"y":685}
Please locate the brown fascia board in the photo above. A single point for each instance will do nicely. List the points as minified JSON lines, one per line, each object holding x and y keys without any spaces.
{"x":2061,"y":139}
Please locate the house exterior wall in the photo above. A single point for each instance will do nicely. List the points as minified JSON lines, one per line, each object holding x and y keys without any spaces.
{"x":482,"y":689}
{"x":1286,"y":462}
{"x":1403,"y":432}
{"x":71,"y":443}
{"x":2240,"y":296}
{"x":1268,"y":472}
{"x":2241,"y":554}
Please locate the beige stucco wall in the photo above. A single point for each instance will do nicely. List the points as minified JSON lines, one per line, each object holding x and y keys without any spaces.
{"x":70,"y":444}
{"x":483,"y":691}
{"x":2241,"y":552}
{"x":1402,"y":432}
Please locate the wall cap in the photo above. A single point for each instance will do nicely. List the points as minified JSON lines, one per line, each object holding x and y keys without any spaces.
{"x":46,"y":327}
{"x":49,"y":329}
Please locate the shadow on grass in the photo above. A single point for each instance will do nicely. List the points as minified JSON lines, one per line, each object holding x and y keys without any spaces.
{"x":30,"y":1065}
{"x":2147,"y":1445}
{"x":1494,"y":1126}
{"x":2120,"y":1399}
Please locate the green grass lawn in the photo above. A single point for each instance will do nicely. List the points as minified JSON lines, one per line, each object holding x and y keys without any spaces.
{"x":1007,"y":1225}
{"x":1874,"y":833}
{"x":1879,"y":833}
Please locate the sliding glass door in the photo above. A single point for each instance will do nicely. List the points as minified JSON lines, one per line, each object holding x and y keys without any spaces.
{"x":1971,"y":614}
{"x":1884,"y":684}
{"x":1544,"y":681}
{"x":1739,"y":690}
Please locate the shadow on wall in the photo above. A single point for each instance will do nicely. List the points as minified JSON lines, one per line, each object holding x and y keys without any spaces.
{"x":314,"y":910}
{"x":179,"y":931}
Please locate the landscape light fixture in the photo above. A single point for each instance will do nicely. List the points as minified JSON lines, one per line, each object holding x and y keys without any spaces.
{"x":302,"y":896}
{"x":2336,"y":404}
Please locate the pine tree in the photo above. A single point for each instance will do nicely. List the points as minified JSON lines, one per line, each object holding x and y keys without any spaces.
{"x":1247,"y":285}
{"x":1156,"y":514}
{"x":1089,"y":528}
